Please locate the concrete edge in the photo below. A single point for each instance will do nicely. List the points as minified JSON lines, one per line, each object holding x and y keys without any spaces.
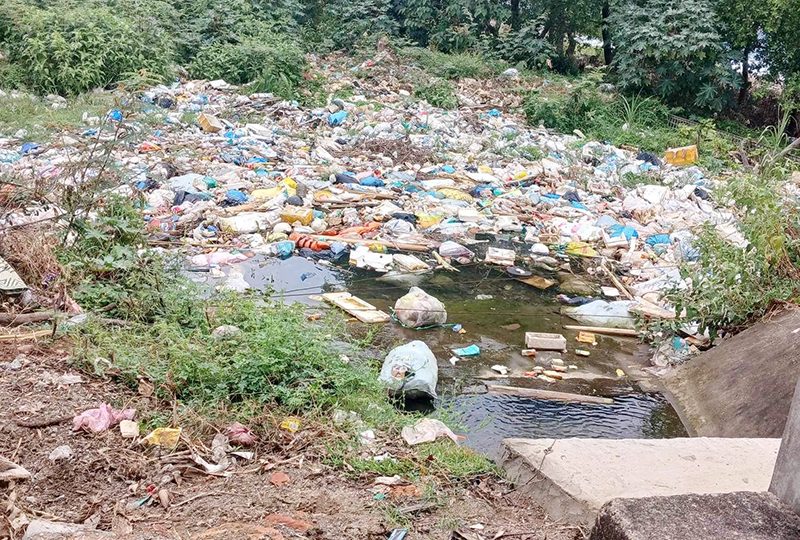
{"x":530,"y":480}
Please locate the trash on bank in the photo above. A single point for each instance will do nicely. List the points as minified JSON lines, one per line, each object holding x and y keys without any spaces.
{"x":471,"y":350}
{"x":427,"y":430}
{"x":100,"y":419}
{"x":165,"y":437}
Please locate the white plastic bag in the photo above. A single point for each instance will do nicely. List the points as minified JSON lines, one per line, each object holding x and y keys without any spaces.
{"x":418,"y":309}
{"x":427,"y":430}
{"x":602,"y":313}
{"x":411,"y":370}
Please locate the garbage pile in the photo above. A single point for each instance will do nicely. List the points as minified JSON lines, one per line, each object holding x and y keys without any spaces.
{"x":393,"y":186}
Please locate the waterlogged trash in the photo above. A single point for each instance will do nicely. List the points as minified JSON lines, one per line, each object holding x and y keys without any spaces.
{"x":418,"y":309}
{"x":545,"y":342}
{"x":502,"y":370}
{"x":410,"y":370}
{"x":427,"y":430}
{"x":165,"y":437}
{"x":604,"y":314}
{"x":471,"y":350}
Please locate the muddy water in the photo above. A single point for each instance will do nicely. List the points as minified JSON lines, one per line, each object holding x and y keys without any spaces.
{"x":639,"y":411}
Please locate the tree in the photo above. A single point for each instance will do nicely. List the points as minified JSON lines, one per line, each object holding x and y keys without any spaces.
{"x":675,"y":50}
{"x":743,"y":25}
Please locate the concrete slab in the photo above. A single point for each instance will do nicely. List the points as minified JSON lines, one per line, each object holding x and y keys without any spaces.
{"x":573,"y":478}
{"x":744,"y":516}
{"x":743,"y":386}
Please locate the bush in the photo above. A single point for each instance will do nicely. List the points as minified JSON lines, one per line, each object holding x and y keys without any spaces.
{"x":451,"y":66}
{"x":731,"y":286}
{"x":439,"y":93}
{"x":564,"y":113}
{"x":275,"y":67}
{"x":73,"y":51}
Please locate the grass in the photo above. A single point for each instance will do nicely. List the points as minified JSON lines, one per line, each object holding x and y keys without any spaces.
{"x":438,"y":92}
{"x":39,"y":119}
{"x":453,"y":65}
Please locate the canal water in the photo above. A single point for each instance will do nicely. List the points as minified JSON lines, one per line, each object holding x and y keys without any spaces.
{"x":496,"y":311}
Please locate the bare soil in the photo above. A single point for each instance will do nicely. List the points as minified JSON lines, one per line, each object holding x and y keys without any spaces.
{"x":107,"y":477}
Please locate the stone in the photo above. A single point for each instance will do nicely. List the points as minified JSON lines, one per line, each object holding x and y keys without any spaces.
{"x":743,"y":515}
{"x":40,"y":529}
{"x":574,"y":478}
{"x":60,"y":452}
{"x":226,"y":330}
{"x":786,"y":476}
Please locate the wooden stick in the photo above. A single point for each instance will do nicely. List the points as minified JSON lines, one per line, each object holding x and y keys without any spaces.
{"x":361,"y":242}
{"x":15,"y":319}
{"x":617,"y":283}
{"x":604,"y":330}
{"x":29,"y":335}
{"x":548,"y":395}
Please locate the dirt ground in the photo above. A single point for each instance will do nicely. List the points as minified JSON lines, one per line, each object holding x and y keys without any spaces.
{"x":100,"y":484}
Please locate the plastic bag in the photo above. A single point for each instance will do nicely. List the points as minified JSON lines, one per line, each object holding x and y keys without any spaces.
{"x":427,"y":430}
{"x":417,"y":309}
{"x":453,"y":249}
{"x":411,"y":370}
{"x":100,"y":419}
{"x":602,"y":313}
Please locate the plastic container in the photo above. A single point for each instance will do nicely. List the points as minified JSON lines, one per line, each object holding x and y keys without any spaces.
{"x":292,"y":214}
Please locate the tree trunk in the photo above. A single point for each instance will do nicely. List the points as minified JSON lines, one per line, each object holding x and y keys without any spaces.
{"x":745,"y":76}
{"x":515,"y":14}
{"x":607,"y":53}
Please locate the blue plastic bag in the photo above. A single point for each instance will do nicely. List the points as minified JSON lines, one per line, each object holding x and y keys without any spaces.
{"x":336,"y":119}
{"x":371,"y":181}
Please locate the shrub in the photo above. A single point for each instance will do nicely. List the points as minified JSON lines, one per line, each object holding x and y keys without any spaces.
{"x":564,"y":113}
{"x":73,"y":51}
{"x":453,"y":65}
{"x":274,"y":66}
{"x":439,"y":93}
{"x":355,"y":24}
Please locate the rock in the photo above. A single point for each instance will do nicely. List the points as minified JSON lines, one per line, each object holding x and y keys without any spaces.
{"x":572,"y":284}
{"x":69,"y":379}
{"x":40,"y":529}
{"x":511,"y":73}
{"x":745,"y":515}
{"x":59,"y":453}
{"x":226,"y":330}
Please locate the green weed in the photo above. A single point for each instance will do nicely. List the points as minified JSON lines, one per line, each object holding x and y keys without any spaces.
{"x":439,"y":93}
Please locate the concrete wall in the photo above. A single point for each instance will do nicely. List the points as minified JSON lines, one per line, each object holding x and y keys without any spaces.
{"x":786,"y":476}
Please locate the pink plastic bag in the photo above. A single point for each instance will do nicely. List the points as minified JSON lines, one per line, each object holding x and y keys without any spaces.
{"x":100,"y":419}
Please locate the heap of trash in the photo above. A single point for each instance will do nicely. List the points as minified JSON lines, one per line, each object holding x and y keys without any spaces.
{"x":393,"y":186}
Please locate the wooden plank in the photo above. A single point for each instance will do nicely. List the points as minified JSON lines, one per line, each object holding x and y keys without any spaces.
{"x":547,"y":395}
{"x":361,"y":310}
{"x":603,"y":330}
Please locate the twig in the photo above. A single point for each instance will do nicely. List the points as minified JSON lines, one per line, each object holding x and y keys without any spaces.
{"x":201,"y":495}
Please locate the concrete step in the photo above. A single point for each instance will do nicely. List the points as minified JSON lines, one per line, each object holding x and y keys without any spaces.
{"x":742,"y":515}
{"x":573,"y":478}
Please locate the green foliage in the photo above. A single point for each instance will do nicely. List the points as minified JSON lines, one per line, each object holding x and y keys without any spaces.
{"x":450,"y":26}
{"x":451,"y":66}
{"x":274,"y":66}
{"x":526,"y":47}
{"x":438,"y":92}
{"x":353,"y":24}
{"x":674,"y":50}
{"x":73,"y":51}
{"x":564,"y":113}
{"x":732,"y":286}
